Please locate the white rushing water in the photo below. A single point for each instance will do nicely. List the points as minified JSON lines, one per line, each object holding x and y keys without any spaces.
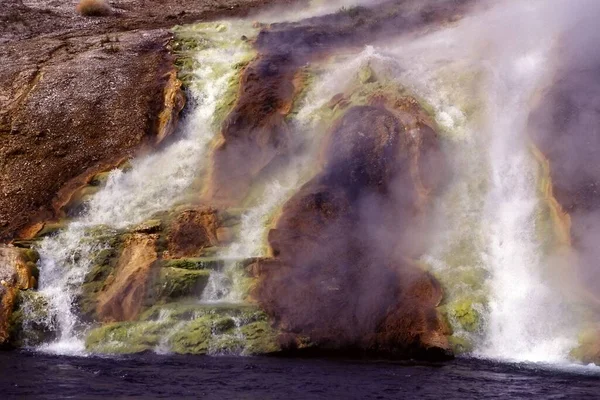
{"x":153,"y":184}
{"x":506,"y":53}
{"x":527,"y":319}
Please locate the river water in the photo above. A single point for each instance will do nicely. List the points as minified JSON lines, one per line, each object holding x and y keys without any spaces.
{"x":40,"y":376}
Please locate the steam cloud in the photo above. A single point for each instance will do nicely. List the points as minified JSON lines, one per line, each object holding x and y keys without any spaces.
{"x":522,"y":48}
{"x":566,"y":125}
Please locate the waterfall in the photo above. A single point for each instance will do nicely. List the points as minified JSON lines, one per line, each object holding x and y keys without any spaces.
{"x":154,"y":183}
{"x":527,"y":319}
{"x":481,"y":76}
{"x":228,"y":285}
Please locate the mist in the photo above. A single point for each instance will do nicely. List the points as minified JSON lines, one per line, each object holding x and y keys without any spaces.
{"x":565,"y":127}
{"x":493,"y":77}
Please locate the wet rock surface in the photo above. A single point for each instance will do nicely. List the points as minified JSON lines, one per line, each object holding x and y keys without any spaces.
{"x":189,"y":329}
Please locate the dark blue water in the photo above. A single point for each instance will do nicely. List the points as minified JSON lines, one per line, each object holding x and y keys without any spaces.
{"x":29,"y":376}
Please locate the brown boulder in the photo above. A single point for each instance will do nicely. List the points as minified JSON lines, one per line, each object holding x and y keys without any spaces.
{"x":225,"y":235}
{"x":255,"y":132}
{"x":413,"y":326}
{"x":342,"y":273}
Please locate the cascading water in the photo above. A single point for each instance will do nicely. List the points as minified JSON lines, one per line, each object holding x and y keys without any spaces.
{"x":236,"y":337}
{"x":488,"y":215}
{"x":527,"y":319}
{"x":227,"y":285}
{"x":154,"y":183}
{"x":64,"y":262}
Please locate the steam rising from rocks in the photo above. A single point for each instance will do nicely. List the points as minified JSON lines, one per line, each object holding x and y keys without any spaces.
{"x":344,"y":270}
{"x":514,"y":50}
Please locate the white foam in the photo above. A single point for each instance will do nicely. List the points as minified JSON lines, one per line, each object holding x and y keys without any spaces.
{"x":65,"y":347}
